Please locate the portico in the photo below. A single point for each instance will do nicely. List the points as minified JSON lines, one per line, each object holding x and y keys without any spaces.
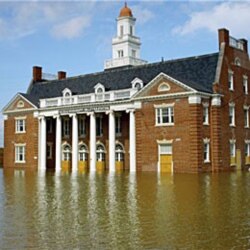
{"x":118,"y":128}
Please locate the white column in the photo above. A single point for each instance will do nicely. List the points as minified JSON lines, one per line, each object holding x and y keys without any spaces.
{"x":43,"y":143}
{"x":132,"y":141}
{"x":92,"y":142}
{"x":58,"y":143}
{"x":74,"y":143}
{"x":111,"y":141}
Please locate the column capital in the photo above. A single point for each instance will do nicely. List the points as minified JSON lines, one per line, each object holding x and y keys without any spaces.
{"x":130,"y":110}
{"x":41,"y":117}
{"x":194,"y":99}
{"x":73,"y":115}
{"x":56,"y":116}
{"x":111,"y":111}
{"x":90,"y":113}
{"x":216,"y":100}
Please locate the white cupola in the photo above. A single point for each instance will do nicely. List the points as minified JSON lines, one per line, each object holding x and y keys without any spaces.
{"x":125,"y":46}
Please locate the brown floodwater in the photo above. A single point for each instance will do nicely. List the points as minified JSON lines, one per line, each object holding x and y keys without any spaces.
{"x":123,"y":211}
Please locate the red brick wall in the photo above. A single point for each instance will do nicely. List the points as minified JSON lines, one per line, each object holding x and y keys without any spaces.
{"x":30,"y":138}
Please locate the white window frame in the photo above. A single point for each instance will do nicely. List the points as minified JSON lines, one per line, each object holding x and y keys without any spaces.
{"x":100,"y":119}
{"x":18,"y":153}
{"x":247,"y":148}
{"x":206,"y":152}
{"x":66,"y":153}
{"x":66,"y":127}
{"x":231,"y":80}
{"x":119,"y":153}
{"x":118,"y":125}
{"x":163,"y":87}
{"x":169,"y":108}
{"x":120,"y":53}
{"x":246,"y":116}
{"x":245,"y":84}
{"x":20,"y":104}
{"x":232,"y":148}
{"x":49,"y":150}
{"x":232,"y":114}
{"x":19,"y":126}
{"x":82,"y":126}
{"x":82,"y":152}
{"x":100,"y":153}
{"x":49,"y":125}
{"x":205,"y":114}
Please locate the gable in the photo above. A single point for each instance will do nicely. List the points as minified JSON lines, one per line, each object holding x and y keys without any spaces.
{"x":163,"y":85}
{"x":18,"y":103}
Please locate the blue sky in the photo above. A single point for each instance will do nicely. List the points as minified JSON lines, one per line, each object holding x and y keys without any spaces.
{"x":75,"y":36}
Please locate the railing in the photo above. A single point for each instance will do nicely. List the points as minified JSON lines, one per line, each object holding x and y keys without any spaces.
{"x":117,"y":62}
{"x":88,"y":98}
{"x":236,"y":43}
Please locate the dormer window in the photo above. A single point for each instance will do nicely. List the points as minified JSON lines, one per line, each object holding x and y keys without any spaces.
{"x":99,"y":88}
{"x":137,"y":84}
{"x":67,"y":92}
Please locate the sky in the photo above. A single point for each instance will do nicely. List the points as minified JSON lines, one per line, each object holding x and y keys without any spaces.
{"x":75,"y":36}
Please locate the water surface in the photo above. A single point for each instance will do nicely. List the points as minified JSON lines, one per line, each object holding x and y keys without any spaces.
{"x":123,"y":211}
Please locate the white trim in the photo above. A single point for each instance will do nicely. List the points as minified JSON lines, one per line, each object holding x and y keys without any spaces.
{"x":98,"y":86}
{"x":216,"y":100}
{"x":164,"y":105}
{"x":4,"y":110}
{"x":232,"y":105}
{"x":159,"y":89}
{"x":135,"y":81}
{"x":206,"y":141}
{"x":66,"y":91}
{"x":163,"y":76}
{"x":24,"y":153}
{"x":231,"y":80}
{"x":194,"y":99}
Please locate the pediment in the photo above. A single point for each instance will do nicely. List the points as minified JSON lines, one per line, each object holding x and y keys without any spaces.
{"x":18,"y":103}
{"x":163,"y":84}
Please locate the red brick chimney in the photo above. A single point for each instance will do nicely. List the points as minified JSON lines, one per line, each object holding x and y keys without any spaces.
{"x":245,"y":44}
{"x":223,"y":36}
{"x":37,"y":74}
{"x":61,"y":75}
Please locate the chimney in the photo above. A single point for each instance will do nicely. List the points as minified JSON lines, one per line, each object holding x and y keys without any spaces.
{"x":37,"y":74}
{"x":223,"y":36}
{"x":245,"y":46}
{"x":61,"y":75}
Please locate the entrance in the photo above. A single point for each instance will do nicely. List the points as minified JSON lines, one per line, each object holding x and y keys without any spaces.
{"x":166,"y":159}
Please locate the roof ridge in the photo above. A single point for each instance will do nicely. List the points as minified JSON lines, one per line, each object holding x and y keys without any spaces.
{"x":127,"y":69}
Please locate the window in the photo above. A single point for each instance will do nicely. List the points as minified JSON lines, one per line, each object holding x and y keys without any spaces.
{"x":49,"y":151}
{"x":118,"y":128}
{"x":205,"y":114}
{"x":82,"y":126}
{"x":66,"y":127}
{"x":133,"y":53}
{"x":120,"y":53}
{"x":49,"y":125}
{"x":20,"y":153}
{"x":232,"y":153}
{"x":66,"y":153}
{"x":83,"y":153}
{"x":163,"y":87}
{"x":119,"y":153}
{"x":100,"y":153}
{"x":131,"y":30}
{"x":246,"y":117}
{"x":231,"y":80}
{"x":20,"y":104}
{"x":121,"y":30}
{"x":20,"y":125}
{"x":206,"y":152}
{"x":237,"y":61}
{"x":165,"y":116}
{"x":247,"y":149}
{"x":245,"y":85}
{"x":231,"y":114}
{"x":99,"y":130}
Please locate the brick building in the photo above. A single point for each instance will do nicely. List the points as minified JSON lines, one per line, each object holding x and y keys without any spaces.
{"x":185,"y":115}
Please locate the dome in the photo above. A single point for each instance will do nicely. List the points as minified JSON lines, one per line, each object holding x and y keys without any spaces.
{"x":125,"y":11}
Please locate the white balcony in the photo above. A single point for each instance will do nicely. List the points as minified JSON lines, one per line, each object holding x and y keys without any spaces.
{"x":123,"y":61}
{"x":88,"y":98}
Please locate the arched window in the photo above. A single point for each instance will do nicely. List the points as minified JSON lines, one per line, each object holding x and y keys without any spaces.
{"x":66,"y":152}
{"x":237,"y":61}
{"x":163,"y":87}
{"x":138,"y":86}
{"x":119,"y":152}
{"x":100,"y":152}
{"x":83,"y":152}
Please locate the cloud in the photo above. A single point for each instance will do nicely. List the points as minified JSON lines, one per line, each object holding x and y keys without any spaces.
{"x":72,"y":28}
{"x":20,"y":19}
{"x":231,"y":15}
{"x":142,"y":15}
